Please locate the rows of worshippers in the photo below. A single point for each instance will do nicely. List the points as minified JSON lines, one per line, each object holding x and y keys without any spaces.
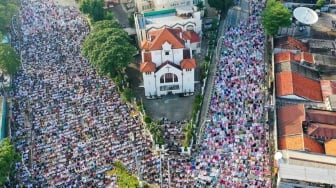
{"x":70,"y":124}
{"x":235,"y":146}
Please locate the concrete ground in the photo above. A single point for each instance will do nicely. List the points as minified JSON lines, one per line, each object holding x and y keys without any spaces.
{"x":172,"y":107}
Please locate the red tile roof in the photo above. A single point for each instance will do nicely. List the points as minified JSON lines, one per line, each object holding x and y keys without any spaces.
{"x":158,"y":37}
{"x":312,"y":145}
{"x":188,"y":63}
{"x":285,"y":56}
{"x":321,"y":116}
{"x":300,"y":142}
{"x":322,"y":130}
{"x":297,"y":44}
{"x":291,"y":83}
{"x":290,"y":119}
{"x":328,"y":88}
{"x":307,"y":57}
{"x":288,"y":56}
{"x":330,"y":147}
{"x":145,"y":45}
{"x":192,"y":36}
{"x":147,"y":67}
{"x":294,"y":142}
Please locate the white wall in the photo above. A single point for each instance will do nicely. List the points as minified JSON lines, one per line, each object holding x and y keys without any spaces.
{"x":162,"y":72}
{"x":188,"y":81}
{"x":149,"y":84}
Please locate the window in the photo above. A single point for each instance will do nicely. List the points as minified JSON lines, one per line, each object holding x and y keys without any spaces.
{"x":169,"y":87}
{"x":166,"y":52}
{"x":168,"y":78}
{"x":148,"y":73}
{"x":188,"y":70}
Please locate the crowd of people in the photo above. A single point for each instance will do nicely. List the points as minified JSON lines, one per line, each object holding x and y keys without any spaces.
{"x":235,"y":146}
{"x":70,"y":124}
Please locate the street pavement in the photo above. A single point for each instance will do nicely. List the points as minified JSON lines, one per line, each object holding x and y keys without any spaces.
{"x":233,"y":17}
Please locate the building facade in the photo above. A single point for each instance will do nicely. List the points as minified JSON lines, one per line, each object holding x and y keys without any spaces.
{"x":185,"y":18}
{"x":152,"y":5}
{"x":167,"y":63}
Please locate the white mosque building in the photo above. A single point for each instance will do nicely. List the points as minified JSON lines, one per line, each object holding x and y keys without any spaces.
{"x":167,"y":62}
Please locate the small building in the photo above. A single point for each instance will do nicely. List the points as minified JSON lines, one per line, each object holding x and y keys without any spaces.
{"x":291,"y":85}
{"x":167,"y":63}
{"x":183,"y":18}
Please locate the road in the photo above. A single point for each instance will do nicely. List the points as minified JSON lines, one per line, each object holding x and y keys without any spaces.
{"x":233,"y":17}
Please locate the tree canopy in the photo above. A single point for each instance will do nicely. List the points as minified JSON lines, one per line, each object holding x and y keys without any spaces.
{"x":95,"y":9}
{"x":7,"y":9}
{"x":9,"y":60}
{"x":274,"y":16}
{"x":124,"y":178}
{"x":108,"y":48}
{"x":320,"y":3}
{"x":220,"y":4}
{"x":8,"y":157}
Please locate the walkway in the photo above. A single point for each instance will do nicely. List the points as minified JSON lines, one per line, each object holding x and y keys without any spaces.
{"x":233,"y":17}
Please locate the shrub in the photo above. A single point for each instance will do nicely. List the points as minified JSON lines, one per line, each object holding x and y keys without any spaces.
{"x":147,"y":119}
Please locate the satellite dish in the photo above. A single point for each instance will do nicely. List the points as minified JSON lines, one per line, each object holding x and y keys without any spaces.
{"x":305,"y":15}
{"x":278,"y":155}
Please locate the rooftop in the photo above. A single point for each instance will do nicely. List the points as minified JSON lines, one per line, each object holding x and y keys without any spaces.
{"x":291,"y":83}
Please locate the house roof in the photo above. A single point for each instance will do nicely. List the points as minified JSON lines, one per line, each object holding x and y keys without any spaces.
{"x":158,"y":37}
{"x":312,"y":145}
{"x":330,"y":147}
{"x":288,"y":56}
{"x":328,"y":88}
{"x":322,"y":130}
{"x":168,"y":63}
{"x":285,"y":56}
{"x":291,"y":83}
{"x":294,"y":142}
{"x":321,"y":116}
{"x":147,"y":57}
{"x":192,"y":36}
{"x":188,"y":63}
{"x":290,"y":119}
{"x":300,"y":142}
{"x":294,"y":43}
{"x":306,"y":57}
{"x":147,"y":66}
{"x":290,"y":43}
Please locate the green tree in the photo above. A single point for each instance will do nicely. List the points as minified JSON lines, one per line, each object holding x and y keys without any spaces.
{"x":7,"y":9}
{"x":94,"y":8}
{"x":274,"y":16}
{"x":131,"y":20}
{"x":109,"y":50}
{"x":105,"y":24}
{"x":9,"y":60}
{"x":124,"y":178}
{"x":320,"y":3}
{"x":220,"y":4}
{"x":8,"y":157}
